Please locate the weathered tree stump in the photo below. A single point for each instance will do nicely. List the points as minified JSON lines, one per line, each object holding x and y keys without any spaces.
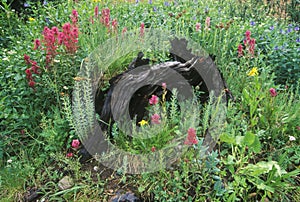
{"x":146,"y":74}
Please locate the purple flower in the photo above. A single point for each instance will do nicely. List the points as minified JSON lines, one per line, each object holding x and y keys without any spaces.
{"x":296,"y":28}
{"x":150,"y":1}
{"x":290,"y":25}
{"x":282,"y":31}
{"x":45,"y":3}
{"x":26,"y":5}
{"x":298,"y":40}
{"x":167,"y":3}
{"x":271,"y":28}
{"x":154,"y":9}
{"x":47,"y":20}
{"x":276,"y":48}
{"x":288,"y":30}
{"x":252,"y":23}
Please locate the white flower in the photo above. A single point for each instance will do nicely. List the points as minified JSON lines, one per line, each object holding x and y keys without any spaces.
{"x":292,"y":138}
{"x":9,"y":161}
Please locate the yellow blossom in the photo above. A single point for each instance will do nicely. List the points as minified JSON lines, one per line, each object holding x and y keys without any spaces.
{"x":96,"y":0}
{"x":143,"y":122}
{"x":31,"y":19}
{"x":253,"y":72}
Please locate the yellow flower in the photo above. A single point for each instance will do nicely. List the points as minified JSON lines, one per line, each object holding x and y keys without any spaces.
{"x":143,"y":122}
{"x":253,"y":72}
{"x":96,"y":0}
{"x":31,"y":19}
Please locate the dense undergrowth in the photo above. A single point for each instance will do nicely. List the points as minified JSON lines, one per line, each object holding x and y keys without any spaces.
{"x":256,"y":48}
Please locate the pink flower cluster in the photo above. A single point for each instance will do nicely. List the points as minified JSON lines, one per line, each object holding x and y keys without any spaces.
{"x":52,"y":39}
{"x":155,"y":119}
{"x":191,"y":137}
{"x":153,"y":100}
{"x":34,"y":68}
{"x":249,"y":44}
{"x":105,"y":19}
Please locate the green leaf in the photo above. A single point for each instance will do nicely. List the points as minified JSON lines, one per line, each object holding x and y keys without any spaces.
{"x":256,"y":146}
{"x":227,"y":138}
{"x":262,"y":167}
{"x":249,"y":138}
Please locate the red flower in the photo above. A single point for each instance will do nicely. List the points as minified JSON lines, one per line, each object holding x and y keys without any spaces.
{"x":164,"y":86}
{"x":198,"y":26}
{"x":155,"y":119}
{"x":191,"y":137}
{"x":273,"y":92}
{"x":28,"y":73}
{"x":69,"y":155}
{"x":114,"y":25}
{"x":142,"y":29}
{"x":240,"y":50}
{"x":248,"y":35}
{"x":96,"y":11}
{"x":153,"y":149}
{"x":37,"y":44}
{"x":153,"y":100}
{"x":31,"y":83}
{"x":27,"y":59}
{"x":75,"y":143}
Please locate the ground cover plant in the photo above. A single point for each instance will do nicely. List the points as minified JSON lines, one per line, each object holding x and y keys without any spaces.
{"x":254,"y":44}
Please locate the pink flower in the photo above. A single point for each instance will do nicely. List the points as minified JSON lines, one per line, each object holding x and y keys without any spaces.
{"x":248,"y":35}
{"x":153,"y":100}
{"x":142,"y":29}
{"x":37,"y":44}
{"x":74,"y":17}
{"x":75,"y":13}
{"x":27,"y":59}
{"x":96,"y":11}
{"x":298,"y":127}
{"x":114,"y":25}
{"x":292,"y":138}
{"x":207,"y":23}
{"x":69,"y":155}
{"x":164,"y":86}
{"x":155,"y":119}
{"x":273,"y":92}
{"x":55,"y":30}
{"x":153,"y":149}
{"x":75,"y":143}
{"x":240,"y":50}
{"x":198,"y":26}
{"x":105,"y":17}
{"x":251,"y":46}
{"x":191,"y":137}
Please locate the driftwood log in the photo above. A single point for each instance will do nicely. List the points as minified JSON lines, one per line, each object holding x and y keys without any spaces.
{"x":184,"y":65}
